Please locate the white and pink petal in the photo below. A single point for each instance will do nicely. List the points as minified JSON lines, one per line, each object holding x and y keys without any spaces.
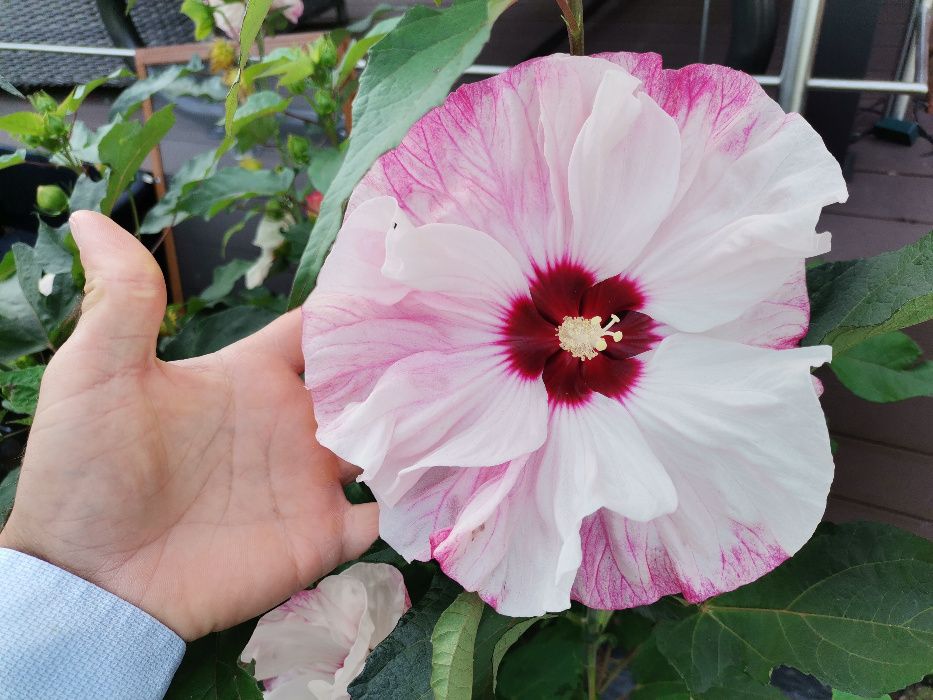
{"x":751,"y":186}
{"x":433,"y":409}
{"x":623,"y":175}
{"x":511,"y":532}
{"x":496,"y":155}
{"x":741,"y":434}
{"x":778,"y":322}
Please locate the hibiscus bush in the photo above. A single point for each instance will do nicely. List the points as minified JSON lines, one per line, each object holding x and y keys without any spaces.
{"x":567,"y":331}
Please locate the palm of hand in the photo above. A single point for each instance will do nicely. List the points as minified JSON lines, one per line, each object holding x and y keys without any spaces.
{"x":195,"y":490}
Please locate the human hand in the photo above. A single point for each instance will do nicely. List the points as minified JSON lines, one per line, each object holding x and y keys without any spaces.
{"x":195,"y":489}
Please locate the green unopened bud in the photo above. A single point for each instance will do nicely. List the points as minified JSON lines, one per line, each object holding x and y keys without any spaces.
{"x":299,"y":87}
{"x":43,"y":102}
{"x":314,"y":51}
{"x":299,"y":148}
{"x":324,"y":102}
{"x":55,"y":126}
{"x":274,"y":210}
{"x":51,"y":199}
{"x":328,"y":55}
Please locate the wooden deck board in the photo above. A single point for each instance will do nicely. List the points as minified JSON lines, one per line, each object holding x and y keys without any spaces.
{"x":884,"y":476}
{"x":842,"y":510}
{"x":904,"y":424}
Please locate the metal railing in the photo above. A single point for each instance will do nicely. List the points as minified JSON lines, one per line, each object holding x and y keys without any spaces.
{"x":792,"y":83}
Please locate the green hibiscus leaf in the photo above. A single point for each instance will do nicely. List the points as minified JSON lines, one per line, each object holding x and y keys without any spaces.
{"x":409,"y":71}
{"x":656,"y":679}
{"x":207,"y":333}
{"x":547,"y":664}
{"x":512,"y":631}
{"x":126,"y":146}
{"x":359,"y":48}
{"x":8,"y":494}
{"x":20,"y":124}
{"x":654,"y":676}
{"x":20,"y":389}
{"x":255,"y":15}
{"x":841,"y":695}
{"x":12,"y":159}
{"x":131,"y":98}
{"x":325,"y":164}
{"x":885,"y":368}
{"x":853,"y":300}
{"x":21,"y":331}
{"x":31,"y":321}
{"x":76,"y":97}
{"x":212,"y":195}
{"x":167,"y":212}
{"x":397,"y":668}
{"x":201,"y":15}
{"x":7,"y":86}
{"x":223,"y":281}
{"x":211,"y":669}
{"x":87,"y":194}
{"x":452,"y":643}
{"x":852,"y":608}
{"x":258,"y":105}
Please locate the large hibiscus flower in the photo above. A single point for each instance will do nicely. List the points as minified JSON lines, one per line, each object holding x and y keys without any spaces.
{"x":557,"y":333}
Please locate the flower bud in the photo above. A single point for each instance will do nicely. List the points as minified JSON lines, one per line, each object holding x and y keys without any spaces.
{"x":274,"y":210}
{"x":222,"y":56}
{"x":328,"y":55}
{"x":43,"y":102}
{"x":55,"y":127}
{"x":313,"y":203}
{"x":299,"y":148}
{"x":324,"y":103}
{"x":51,"y":199}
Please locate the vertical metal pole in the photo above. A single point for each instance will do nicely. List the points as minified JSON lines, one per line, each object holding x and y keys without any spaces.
{"x":911,"y":65}
{"x":802,"y":37}
{"x":904,"y":58}
{"x":704,"y":30}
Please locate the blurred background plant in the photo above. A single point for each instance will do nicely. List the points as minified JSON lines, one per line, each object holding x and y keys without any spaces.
{"x":292,"y":102}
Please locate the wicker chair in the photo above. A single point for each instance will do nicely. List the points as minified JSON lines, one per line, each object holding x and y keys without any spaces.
{"x":77,"y":23}
{"x":80,"y":23}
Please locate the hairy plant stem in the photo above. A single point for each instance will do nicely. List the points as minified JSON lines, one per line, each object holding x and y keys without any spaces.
{"x":572,"y":11}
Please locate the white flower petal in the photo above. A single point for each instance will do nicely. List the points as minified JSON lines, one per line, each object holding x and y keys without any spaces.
{"x":46,"y":283}
{"x":741,"y":230}
{"x":623,"y":176}
{"x":741,"y":433}
{"x":434,"y":409}
{"x":473,"y":518}
{"x":316,"y":643}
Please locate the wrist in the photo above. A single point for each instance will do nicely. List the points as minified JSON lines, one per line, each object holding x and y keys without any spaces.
{"x":105,"y":576}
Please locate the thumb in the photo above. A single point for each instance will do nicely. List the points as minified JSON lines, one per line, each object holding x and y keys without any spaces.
{"x":124,"y":300}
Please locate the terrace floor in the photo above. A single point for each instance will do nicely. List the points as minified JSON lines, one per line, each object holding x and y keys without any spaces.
{"x":885,"y":457}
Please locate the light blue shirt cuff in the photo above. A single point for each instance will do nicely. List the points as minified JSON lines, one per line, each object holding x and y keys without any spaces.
{"x":63,"y":637}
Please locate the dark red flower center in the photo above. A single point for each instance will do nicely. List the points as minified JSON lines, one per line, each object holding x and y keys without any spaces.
{"x":568,"y":290}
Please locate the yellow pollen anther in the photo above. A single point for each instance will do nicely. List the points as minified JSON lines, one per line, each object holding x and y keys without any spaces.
{"x":585,"y":338}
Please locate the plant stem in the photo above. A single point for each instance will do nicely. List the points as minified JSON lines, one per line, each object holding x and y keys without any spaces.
{"x":135,"y":213}
{"x":572,"y":11}
{"x":596,"y":621}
